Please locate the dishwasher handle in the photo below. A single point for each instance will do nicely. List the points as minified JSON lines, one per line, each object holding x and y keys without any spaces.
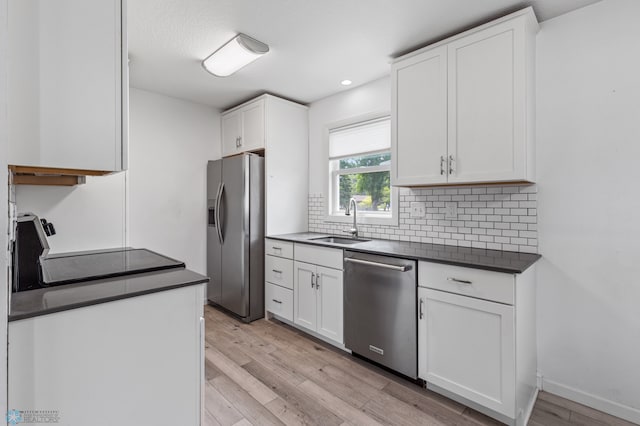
{"x":399,"y":268}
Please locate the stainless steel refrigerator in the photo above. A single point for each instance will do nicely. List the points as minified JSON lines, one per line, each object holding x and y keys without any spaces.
{"x":235,"y":235}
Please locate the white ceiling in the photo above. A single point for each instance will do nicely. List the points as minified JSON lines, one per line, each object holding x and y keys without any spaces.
{"x":314,"y":44}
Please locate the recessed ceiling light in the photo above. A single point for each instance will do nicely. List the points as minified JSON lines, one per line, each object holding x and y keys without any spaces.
{"x":235,"y":54}
{"x":346,"y":82}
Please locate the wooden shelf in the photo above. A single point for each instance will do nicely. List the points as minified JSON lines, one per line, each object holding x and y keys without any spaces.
{"x":29,"y":175}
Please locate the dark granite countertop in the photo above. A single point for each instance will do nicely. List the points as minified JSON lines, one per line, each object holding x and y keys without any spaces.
{"x":32,"y":303}
{"x":492,"y":260}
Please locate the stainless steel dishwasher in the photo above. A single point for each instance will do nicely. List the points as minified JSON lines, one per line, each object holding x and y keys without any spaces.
{"x":380,"y":297}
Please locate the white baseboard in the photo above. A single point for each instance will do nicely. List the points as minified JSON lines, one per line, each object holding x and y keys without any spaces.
{"x":610,"y":407}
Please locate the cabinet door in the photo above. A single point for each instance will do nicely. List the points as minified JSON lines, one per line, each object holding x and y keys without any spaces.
{"x":468,"y":349}
{"x":330,"y":303}
{"x":487,"y":110}
{"x":419,"y":119}
{"x":231,"y":125}
{"x":252,"y":136}
{"x":304,"y":295}
{"x":65,"y":84}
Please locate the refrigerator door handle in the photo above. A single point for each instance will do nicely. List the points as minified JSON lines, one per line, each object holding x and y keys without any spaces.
{"x":218,"y":202}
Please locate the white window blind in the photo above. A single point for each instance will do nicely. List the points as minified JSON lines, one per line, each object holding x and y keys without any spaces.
{"x":362,"y":138}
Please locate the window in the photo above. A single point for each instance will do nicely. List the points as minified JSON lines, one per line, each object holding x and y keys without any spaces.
{"x":360,"y":168}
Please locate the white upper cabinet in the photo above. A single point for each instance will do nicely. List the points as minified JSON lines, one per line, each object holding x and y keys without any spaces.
{"x":231,"y":131}
{"x":420,"y":91}
{"x":253,"y":130}
{"x":279,"y":130}
{"x":67,"y":84}
{"x":463,"y":109}
{"x":243,"y":129}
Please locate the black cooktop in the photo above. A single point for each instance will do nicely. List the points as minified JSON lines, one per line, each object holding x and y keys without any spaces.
{"x":85,"y":266}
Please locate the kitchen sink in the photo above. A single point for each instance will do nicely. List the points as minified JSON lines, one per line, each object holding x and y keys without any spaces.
{"x":339,"y":240}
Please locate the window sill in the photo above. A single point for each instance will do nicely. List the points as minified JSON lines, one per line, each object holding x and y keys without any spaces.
{"x":362,"y":220}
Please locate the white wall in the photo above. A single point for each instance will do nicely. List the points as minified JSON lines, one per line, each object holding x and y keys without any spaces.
{"x":171,"y":142}
{"x":588,"y":142}
{"x":86,"y":217}
{"x":374,"y":97}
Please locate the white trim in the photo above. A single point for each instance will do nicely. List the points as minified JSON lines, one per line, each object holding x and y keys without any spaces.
{"x":361,"y":154}
{"x":610,"y":407}
{"x":355,"y":119}
{"x":359,"y":123}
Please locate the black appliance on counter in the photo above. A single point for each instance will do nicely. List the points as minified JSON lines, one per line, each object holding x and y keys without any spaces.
{"x":29,"y":246}
{"x":34,"y":267}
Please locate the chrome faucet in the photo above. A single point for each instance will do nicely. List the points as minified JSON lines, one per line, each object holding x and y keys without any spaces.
{"x":354,"y":230}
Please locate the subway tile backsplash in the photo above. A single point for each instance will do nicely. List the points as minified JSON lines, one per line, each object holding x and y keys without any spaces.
{"x":488,"y":217}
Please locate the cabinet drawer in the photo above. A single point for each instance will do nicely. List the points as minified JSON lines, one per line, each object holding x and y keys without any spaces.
{"x":278,"y":248}
{"x":488,"y":285}
{"x":278,"y":271}
{"x":323,"y":256}
{"x":279,"y":300}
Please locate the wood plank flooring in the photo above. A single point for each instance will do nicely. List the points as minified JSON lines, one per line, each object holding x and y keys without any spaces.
{"x":268,"y":373}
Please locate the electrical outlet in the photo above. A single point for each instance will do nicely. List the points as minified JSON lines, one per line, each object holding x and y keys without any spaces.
{"x":417,"y":209}
{"x":451,"y":210}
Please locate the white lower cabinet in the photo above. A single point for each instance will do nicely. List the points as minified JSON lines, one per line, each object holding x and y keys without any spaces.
{"x":304,"y":285}
{"x":279,"y":300}
{"x":468,"y":348}
{"x":318,"y":300}
{"x":478,"y":350}
{"x":135,"y":361}
{"x":305,"y":306}
{"x":278,"y":275}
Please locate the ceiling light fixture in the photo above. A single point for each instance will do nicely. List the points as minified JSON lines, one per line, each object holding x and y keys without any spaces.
{"x":346,"y":82}
{"x":235,"y":54}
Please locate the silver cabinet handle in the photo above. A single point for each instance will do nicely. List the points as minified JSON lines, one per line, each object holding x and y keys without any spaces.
{"x":276,"y":271}
{"x":455,"y":280}
{"x":442,"y":164}
{"x":236,"y":141}
{"x":317,"y":281}
{"x":420,"y":309}
{"x":451,"y":163}
{"x":277,"y":301}
{"x":400,"y":268}
{"x":239,"y":140}
{"x":313,"y":278}
{"x":276,"y":248}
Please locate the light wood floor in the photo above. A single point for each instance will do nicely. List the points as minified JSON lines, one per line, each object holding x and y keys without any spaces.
{"x":267,"y":373}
